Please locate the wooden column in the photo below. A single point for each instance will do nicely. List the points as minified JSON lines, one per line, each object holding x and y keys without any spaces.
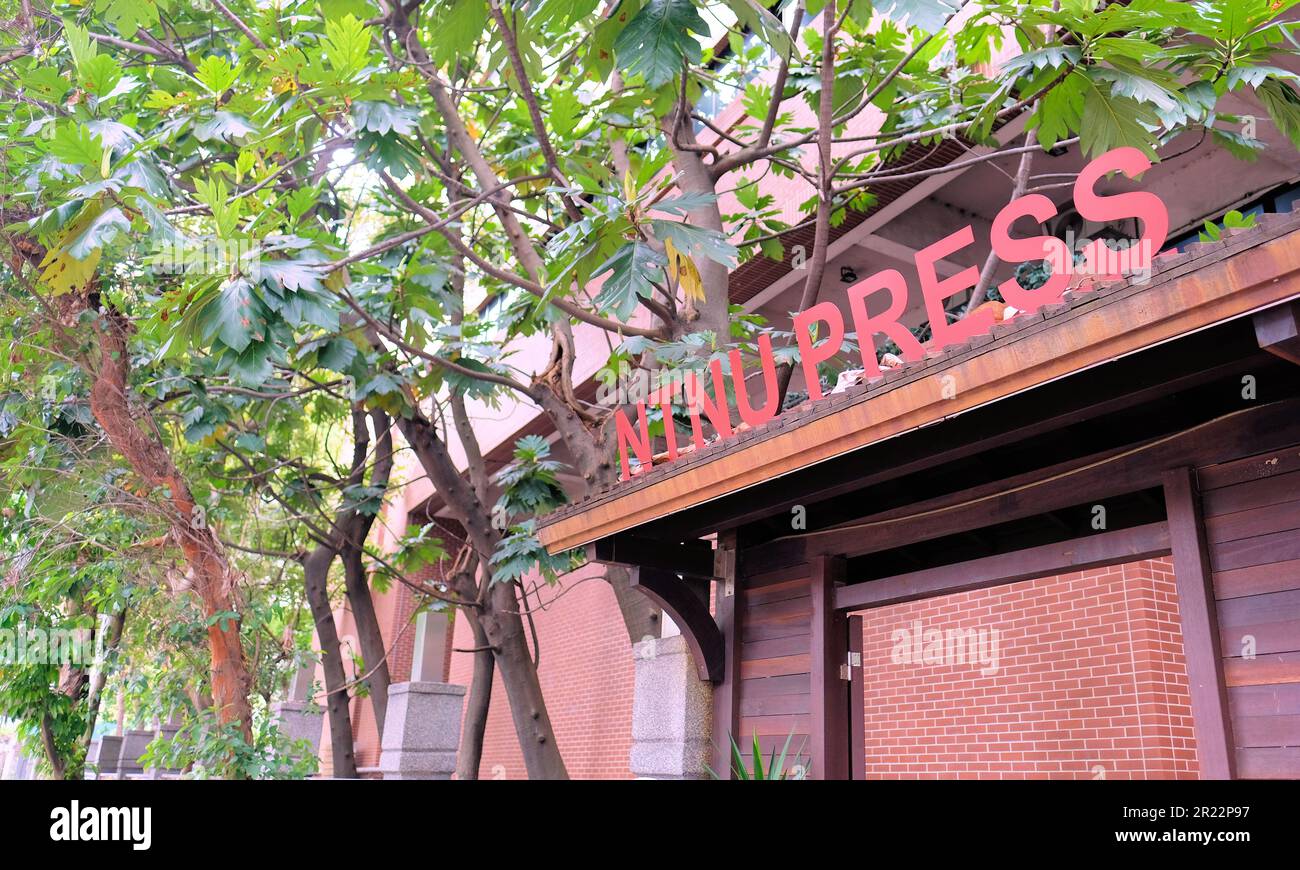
{"x":857,"y":703}
{"x":728,"y":610}
{"x":829,"y":649}
{"x":1199,"y":615}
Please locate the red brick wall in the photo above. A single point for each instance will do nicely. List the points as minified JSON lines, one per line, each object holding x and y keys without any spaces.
{"x":1090,"y":681}
{"x":586,"y":674}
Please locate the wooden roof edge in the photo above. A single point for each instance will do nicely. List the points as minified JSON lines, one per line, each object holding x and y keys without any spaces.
{"x":700,"y":477}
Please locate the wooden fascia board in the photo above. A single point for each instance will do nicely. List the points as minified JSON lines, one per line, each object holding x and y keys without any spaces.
{"x":1130,"y":320}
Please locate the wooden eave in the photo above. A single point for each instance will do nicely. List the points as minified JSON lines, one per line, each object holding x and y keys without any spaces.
{"x":1207,"y":285}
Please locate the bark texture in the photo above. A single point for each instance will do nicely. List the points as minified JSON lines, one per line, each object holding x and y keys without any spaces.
{"x":210,"y":573}
{"x":316,"y":569}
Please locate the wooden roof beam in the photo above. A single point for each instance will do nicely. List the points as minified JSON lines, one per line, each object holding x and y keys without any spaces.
{"x":1278,"y":331}
{"x":1077,"y":554}
{"x":690,"y":558}
{"x":1265,"y":427}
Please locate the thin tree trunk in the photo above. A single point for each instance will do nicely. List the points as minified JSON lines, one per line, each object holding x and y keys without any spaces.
{"x":1018,"y":189}
{"x":57,"y":766}
{"x":477,"y":704}
{"x":694,"y":177}
{"x":211,"y":575}
{"x":500,"y":616}
{"x":356,"y":528}
{"x":316,"y":569}
{"x":99,"y":676}
{"x":73,"y":682}
{"x":822,"y":228}
{"x":505,"y":632}
{"x":369,"y":634}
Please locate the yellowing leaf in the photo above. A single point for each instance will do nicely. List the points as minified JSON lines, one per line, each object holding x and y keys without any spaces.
{"x":64,"y":273}
{"x":683,"y":270}
{"x":61,"y":269}
{"x":689,"y":279}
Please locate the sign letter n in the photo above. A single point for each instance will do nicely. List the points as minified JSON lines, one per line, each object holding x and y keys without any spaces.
{"x":639,"y":441}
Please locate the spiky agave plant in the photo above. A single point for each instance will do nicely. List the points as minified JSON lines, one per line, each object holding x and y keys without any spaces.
{"x":775,"y":767}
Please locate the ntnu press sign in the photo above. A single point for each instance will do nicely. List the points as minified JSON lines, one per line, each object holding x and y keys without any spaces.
{"x":1099,"y":260}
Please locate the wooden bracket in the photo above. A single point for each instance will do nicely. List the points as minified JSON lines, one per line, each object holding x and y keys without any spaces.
{"x":687,"y":602}
{"x":1278,"y":330}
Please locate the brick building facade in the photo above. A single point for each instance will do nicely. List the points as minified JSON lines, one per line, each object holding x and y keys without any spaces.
{"x":1089,"y":683}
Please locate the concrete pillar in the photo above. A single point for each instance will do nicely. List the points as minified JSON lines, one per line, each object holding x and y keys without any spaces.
{"x":104,"y":755}
{"x":421,"y":730}
{"x":300,"y":687}
{"x":166,"y":732}
{"x":134,"y":744}
{"x":298,"y":718}
{"x":672,"y":712}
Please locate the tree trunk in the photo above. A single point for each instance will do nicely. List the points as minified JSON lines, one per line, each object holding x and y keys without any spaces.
{"x":316,"y":569}
{"x":822,"y":227}
{"x":505,"y":632}
{"x":355,"y":527}
{"x":694,"y":177}
{"x":500,"y":607}
{"x":56,"y":761}
{"x":1018,"y":189}
{"x":478,"y":703}
{"x":72,"y":684}
{"x":369,"y":634}
{"x":211,"y":575}
{"x":99,"y":677}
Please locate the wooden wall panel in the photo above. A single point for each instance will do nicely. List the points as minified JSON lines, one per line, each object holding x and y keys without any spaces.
{"x":775,"y":664}
{"x":1252,"y":521}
